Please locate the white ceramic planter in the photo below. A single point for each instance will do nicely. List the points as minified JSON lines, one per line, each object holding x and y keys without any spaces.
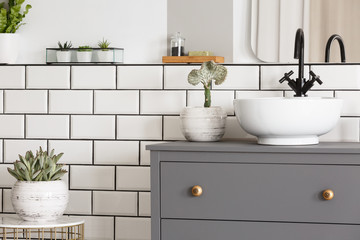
{"x":84,"y":56}
{"x":202,"y":124}
{"x":105,"y":56}
{"x":40,"y":201}
{"x":9,"y":47}
{"x":63,"y":56}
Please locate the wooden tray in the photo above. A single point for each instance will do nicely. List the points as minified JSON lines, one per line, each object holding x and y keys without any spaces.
{"x":192,"y":59}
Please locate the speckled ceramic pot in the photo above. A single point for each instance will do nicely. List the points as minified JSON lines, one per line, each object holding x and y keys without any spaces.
{"x":40,"y":201}
{"x":200,"y":124}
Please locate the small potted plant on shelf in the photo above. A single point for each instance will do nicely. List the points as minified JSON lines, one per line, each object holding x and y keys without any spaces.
{"x":104,"y":55}
{"x":11,"y":18}
{"x":64,"y":55}
{"x":84,"y":54}
{"x":205,"y":123}
{"x":39,"y":194}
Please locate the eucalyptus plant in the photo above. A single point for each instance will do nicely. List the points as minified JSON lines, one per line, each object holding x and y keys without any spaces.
{"x":208,"y":72}
{"x":11,"y":17}
{"x":41,"y":167}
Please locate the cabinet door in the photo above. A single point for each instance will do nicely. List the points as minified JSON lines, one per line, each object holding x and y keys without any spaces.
{"x":232,"y":230}
{"x":261,"y":192}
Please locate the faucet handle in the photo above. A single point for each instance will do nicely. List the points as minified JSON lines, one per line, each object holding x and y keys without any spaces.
{"x":286,"y":77}
{"x":315,"y":77}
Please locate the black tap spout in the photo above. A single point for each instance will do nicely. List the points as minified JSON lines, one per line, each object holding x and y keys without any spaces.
{"x":299,"y":54}
{"x":341,"y":44}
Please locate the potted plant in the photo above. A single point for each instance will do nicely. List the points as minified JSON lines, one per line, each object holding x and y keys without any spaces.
{"x":39,"y":194}
{"x":10,"y":20}
{"x":104,"y":55}
{"x":84,"y":54}
{"x":205,"y":123}
{"x":64,"y":55}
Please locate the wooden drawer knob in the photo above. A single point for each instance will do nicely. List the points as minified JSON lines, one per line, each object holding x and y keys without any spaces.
{"x":328,"y":194}
{"x":196,"y":191}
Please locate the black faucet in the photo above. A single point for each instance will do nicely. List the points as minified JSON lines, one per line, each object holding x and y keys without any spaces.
{"x":300,"y":86}
{"x":341,"y":44}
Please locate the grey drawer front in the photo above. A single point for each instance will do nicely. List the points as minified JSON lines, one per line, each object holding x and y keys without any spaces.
{"x":266,"y":192}
{"x":230,"y":230}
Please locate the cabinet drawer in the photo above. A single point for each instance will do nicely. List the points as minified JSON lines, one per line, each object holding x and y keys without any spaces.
{"x":230,"y":230}
{"x":264,"y":192}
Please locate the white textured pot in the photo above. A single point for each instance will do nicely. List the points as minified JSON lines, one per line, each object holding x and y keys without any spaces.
{"x":84,"y":56}
{"x":40,"y":201}
{"x":9,"y":47}
{"x":200,"y":124}
{"x":63,"y":56}
{"x":105,"y":56}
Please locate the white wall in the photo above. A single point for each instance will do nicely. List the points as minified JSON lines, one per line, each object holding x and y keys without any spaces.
{"x":138,"y":26}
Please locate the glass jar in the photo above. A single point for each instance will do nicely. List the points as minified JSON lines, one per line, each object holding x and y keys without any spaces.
{"x":177,"y":45}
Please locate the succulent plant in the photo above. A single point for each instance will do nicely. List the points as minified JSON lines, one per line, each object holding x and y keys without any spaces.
{"x":104,"y":44}
{"x":208,"y":72}
{"x":64,"y":47}
{"x":41,"y":167}
{"x":84,"y":48}
{"x":11,"y":17}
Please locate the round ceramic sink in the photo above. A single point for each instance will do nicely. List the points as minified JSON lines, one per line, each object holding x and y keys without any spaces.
{"x":288,"y":121}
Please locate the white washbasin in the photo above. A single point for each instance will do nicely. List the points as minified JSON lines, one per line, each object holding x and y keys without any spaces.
{"x":288,"y":121}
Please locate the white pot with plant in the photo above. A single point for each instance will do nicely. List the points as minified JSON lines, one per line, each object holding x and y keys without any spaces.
{"x":207,"y":123}
{"x":105,"y":54}
{"x":64,"y":55}
{"x":84,"y":54}
{"x":10,"y":20}
{"x":39,"y":195}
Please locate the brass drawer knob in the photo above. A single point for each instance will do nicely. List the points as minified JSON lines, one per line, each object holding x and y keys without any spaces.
{"x":196,"y":191}
{"x":328,"y":194}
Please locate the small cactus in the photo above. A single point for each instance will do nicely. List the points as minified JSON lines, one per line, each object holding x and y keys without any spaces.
{"x":42,"y":167}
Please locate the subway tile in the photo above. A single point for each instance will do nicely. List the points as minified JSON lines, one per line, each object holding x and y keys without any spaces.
{"x":176,"y":77}
{"x":145,"y":154}
{"x":240,"y":77}
{"x":12,"y":77}
{"x":93,"y":77}
{"x":12,"y":148}
{"x":258,"y":94}
{"x":312,"y":93}
{"x":1,"y":101}
{"x":116,"y":152}
{"x":1,"y":151}
{"x":99,"y":228}
{"x":337,"y":77}
{"x":270,"y":76}
{"x":133,"y":178}
{"x":139,"y":77}
{"x":6,"y":180}
{"x":234,"y":131}
{"x":346,"y":130}
{"x":70,"y":101}
{"x":11,"y":126}
{"x":223,"y":99}
{"x":162,"y":102}
{"x":48,"y":77}
{"x":93,"y":127}
{"x":75,"y":152}
{"x":117,"y":102}
{"x":47,"y":126}
{"x":1,"y":201}
{"x":139,"y":127}
{"x":351,"y":105}
{"x":92,"y":177}
{"x":144,"y":204}
{"x":132,"y":228}
{"x":7,"y":204}
{"x":172,"y":130}
{"x":79,"y":202}
{"x":25,"y":101}
{"x":115,"y":203}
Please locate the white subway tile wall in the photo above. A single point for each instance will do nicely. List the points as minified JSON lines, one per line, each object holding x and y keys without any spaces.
{"x":102,"y":118}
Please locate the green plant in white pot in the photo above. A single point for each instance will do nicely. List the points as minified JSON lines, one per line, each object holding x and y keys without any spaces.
{"x":84,"y":54}
{"x":205,"y":123}
{"x":64,"y":53}
{"x":11,"y":17}
{"x":39,"y":194}
{"x":105,"y":54}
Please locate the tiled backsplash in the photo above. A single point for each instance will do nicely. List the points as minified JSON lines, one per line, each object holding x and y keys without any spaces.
{"x":103,"y":116}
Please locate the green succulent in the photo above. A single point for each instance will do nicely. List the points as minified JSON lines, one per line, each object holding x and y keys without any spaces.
{"x":85,"y":48}
{"x":11,"y":17}
{"x":208,"y":72}
{"x":41,"y":167}
{"x":104,"y":44}
{"x":64,"y":47}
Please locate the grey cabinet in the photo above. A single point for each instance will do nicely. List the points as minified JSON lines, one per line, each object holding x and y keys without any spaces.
{"x":255,"y":192}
